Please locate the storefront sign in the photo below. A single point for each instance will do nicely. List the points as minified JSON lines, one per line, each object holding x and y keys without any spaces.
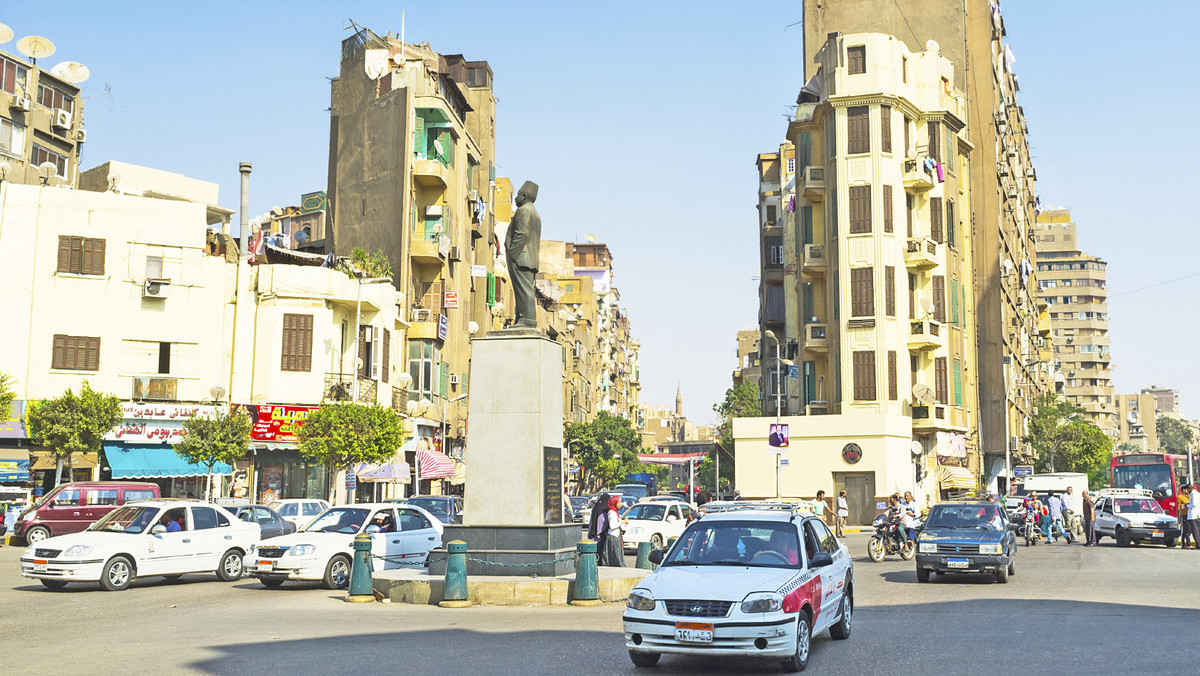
{"x":443,"y":327}
{"x":276,"y":423}
{"x":450,"y":300}
{"x":1022,"y":470}
{"x":13,"y":426}
{"x":479,"y":271}
{"x":155,"y":423}
{"x":951,"y":444}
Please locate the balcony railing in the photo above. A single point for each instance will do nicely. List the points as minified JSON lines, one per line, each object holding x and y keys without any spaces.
{"x":921,"y":253}
{"x":400,"y":400}
{"x":916,"y":177}
{"x":340,"y":387}
{"x":814,"y":183}
{"x":814,"y":259}
{"x":925,"y":334}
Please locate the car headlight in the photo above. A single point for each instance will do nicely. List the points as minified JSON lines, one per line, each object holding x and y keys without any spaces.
{"x":762,"y":602}
{"x":640,"y":600}
{"x":302,"y":550}
{"x":78,"y":550}
{"x":990,"y":549}
{"x":927,"y":547}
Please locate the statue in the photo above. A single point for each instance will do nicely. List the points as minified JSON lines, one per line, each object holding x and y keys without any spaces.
{"x":521,"y":246}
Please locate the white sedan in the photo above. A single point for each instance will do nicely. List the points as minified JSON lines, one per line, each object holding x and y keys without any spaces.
{"x":167,"y":538}
{"x":654,"y":522}
{"x":323,"y":549}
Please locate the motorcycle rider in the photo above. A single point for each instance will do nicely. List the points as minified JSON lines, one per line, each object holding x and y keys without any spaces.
{"x":1033,"y":508}
{"x":895,"y":516}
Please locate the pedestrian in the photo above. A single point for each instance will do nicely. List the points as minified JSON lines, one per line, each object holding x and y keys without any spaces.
{"x":910,"y":515}
{"x":613,"y":547}
{"x":1055,"y":505}
{"x":1070,"y":508}
{"x":598,"y":527}
{"x":843,"y":511}
{"x":1089,"y":519}
{"x":1194,"y":515}
{"x":818,"y":505}
{"x":1184,"y":498}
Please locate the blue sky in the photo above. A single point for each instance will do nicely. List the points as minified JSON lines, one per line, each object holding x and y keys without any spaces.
{"x":641,"y":123}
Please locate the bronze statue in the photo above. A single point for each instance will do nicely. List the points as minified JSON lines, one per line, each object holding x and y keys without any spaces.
{"x":521,"y":247}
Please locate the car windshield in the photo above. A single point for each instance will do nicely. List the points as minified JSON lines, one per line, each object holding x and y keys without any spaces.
{"x":132,"y":519}
{"x":1157,"y":478}
{"x":646,"y":512}
{"x":965,"y":516}
{"x":431,"y":505}
{"x":1136,"y":506}
{"x":737,"y":543}
{"x":338,"y":520}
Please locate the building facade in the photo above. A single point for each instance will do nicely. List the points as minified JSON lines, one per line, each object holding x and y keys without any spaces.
{"x":42,"y":122}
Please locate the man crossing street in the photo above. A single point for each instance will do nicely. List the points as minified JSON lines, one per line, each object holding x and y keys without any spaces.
{"x":1089,"y":520}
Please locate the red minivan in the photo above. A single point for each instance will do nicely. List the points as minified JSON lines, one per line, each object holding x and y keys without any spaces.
{"x":70,"y":508}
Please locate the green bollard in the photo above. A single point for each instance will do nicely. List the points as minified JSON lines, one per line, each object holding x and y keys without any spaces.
{"x":454,"y":590}
{"x":361,"y":590}
{"x":643,"y":557}
{"x":587,"y":578}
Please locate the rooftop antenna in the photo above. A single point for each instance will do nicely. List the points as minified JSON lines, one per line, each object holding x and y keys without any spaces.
{"x":6,"y":34}
{"x":401,"y":38}
{"x":35,"y":47}
{"x":71,"y":71}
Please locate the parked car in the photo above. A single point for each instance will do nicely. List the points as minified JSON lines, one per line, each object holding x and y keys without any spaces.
{"x":634,"y":489}
{"x":579,"y":506}
{"x":966,"y":537}
{"x":268,"y":520}
{"x":299,"y":510}
{"x":655,"y":522}
{"x":749,"y":583}
{"x":1132,"y":516}
{"x":447,"y":508}
{"x":321,"y":550}
{"x":154,"y":537}
{"x":72,"y":507}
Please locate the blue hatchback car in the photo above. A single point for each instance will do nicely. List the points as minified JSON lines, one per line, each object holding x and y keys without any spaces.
{"x":966,"y":537}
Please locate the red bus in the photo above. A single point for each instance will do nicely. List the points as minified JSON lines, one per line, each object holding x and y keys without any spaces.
{"x":1161,"y":473}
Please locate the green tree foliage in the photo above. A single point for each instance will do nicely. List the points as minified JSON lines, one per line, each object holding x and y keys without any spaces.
{"x":706,"y":473}
{"x":73,"y":423}
{"x":1067,"y":442}
{"x":7,"y":395}
{"x":1128,"y":447}
{"x":606,"y":448}
{"x":222,"y":438}
{"x":741,"y":401}
{"x":370,"y":264}
{"x":1174,"y":436}
{"x":343,"y":434}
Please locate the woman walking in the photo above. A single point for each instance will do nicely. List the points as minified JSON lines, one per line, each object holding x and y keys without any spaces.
{"x":613,"y":547}
{"x":598,"y":528}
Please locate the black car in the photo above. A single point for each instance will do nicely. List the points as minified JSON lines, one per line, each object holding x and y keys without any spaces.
{"x":268,"y":520}
{"x":966,"y":537}
{"x":447,"y":508}
{"x":579,"y":505}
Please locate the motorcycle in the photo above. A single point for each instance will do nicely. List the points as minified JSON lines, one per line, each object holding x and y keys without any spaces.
{"x":1029,"y":528}
{"x":888,"y":539}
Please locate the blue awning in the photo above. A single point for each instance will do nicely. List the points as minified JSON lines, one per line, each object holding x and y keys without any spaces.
{"x":151,"y":461}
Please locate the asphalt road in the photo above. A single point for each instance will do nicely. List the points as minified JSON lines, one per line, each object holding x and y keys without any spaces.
{"x":1069,"y":609}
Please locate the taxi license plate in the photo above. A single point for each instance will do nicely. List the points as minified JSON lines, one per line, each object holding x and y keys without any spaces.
{"x":958,"y":563}
{"x":1156,"y":533}
{"x":266,"y":565}
{"x":39,"y":565}
{"x":693,"y":632}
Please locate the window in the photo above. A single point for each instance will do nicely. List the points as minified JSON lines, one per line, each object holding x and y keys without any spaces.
{"x":935,"y":219}
{"x":164,"y":357}
{"x":864,"y":375}
{"x":950,"y":224}
{"x":68,"y":498}
{"x":806,"y":225}
{"x":154,"y":267}
{"x":204,"y":518}
{"x":954,"y":316}
{"x":858,"y":130}
{"x":75,"y":353}
{"x":12,"y":76}
{"x":856,"y":59}
{"x":53,"y":97}
{"x":386,"y":355}
{"x":907,"y":134}
{"x":804,"y":148}
{"x":904,"y":69}
{"x":829,"y":543}
{"x":135,"y":495}
{"x":939,"y":380}
{"x":939,"y":298}
{"x":862,"y":292}
{"x":12,"y":137}
{"x":772,"y":214}
{"x":935,"y":147}
{"x":889,"y":283}
{"x":102,"y":496}
{"x":42,"y":155}
{"x":888,"y":208}
{"x":774,"y":250}
{"x":957,"y":383}
{"x":478,"y":77}
{"x":296,"y":347}
{"x":908,"y":212}
{"x":791,"y":165}
{"x":860,"y":209}
{"x":912,"y":292}
{"x":80,"y":255}
{"x":424,"y":366}
{"x":310,"y":508}
{"x":893,"y":388}
{"x":369,"y":347}
{"x":885,"y":128}
{"x":775,"y":303}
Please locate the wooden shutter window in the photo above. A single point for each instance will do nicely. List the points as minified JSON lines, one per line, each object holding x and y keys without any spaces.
{"x":387,"y":353}
{"x":889,"y":283}
{"x":858,"y":130}
{"x":935,"y":142}
{"x":939,"y":380}
{"x":885,"y":128}
{"x":860,"y":209}
{"x":296,"y":346}
{"x":862,"y":292}
{"x":935,"y":219}
{"x":912,"y":296}
{"x":950,"y":223}
{"x":893,"y":387}
{"x":939,"y":298}
{"x":75,"y":353}
{"x":908,"y":213}
{"x":864,"y":375}
{"x":957,"y":383}
{"x":907,"y":133}
{"x":92,"y":360}
{"x":364,"y":337}
{"x":64,"y":252}
{"x":93,"y":256}
{"x":888,"y":208}
{"x":80,"y":255}
{"x":856,"y":59}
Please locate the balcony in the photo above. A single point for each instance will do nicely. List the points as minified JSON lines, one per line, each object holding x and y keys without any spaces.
{"x":340,"y":387}
{"x":816,"y":337}
{"x":917,"y":178}
{"x":814,"y":183}
{"x":425,"y":324}
{"x":817,"y":407}
{"x":814,"y":260}
{"x":930,"y":418}
{"x":430,"y":173}
{"x":921,"y":254}
{"x":926,"y":334}
{"x":400,"y":400}
{"x":429,"y":248}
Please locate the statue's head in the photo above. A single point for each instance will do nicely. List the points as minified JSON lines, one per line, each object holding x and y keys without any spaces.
{"x":527,"y":193}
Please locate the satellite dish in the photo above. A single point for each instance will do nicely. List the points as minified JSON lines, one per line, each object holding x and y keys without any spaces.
{"x":473,"y":328}
{"x":277,"y":211}
{"x":5,"y":33}
{"x":922,"y":393}
{"x":217,"y":391}
{"x":932,"y":46}
{"x":916,"y":448}
{"x":35,"y":47}
{"x":411,"y":408}
{"x":590,"y":238}
{"x":71,"y":71}
{"x":437,"y":145}
{"x":302,"y":236}
{"x":912,"y":154}
{"x":926,"y":303}
{"x":398,"y":59}
{"x":375,"y":62}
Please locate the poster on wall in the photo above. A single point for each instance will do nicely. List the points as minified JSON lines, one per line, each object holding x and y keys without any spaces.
{"x":777,"y":436}
{"x":275,"y":423}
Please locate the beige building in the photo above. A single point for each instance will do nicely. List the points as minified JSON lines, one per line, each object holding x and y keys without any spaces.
{"x":1073,"y":285}
{"x":749,"y":365}
{"x":41,"y":122}
{"x":1137,"y":423}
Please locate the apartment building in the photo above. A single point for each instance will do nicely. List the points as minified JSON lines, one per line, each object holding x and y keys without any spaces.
{"x":1168,"y":398}
{"x":1012,"y":369}
{"x":1073,"y":286}
{"x":749,"y":369}
{"x":41,"y":121}
{"x":616,"y":350}
{"x":1136,"y":423}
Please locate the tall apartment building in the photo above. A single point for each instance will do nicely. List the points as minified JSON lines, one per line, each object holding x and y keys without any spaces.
{"x":1011,"y":369}
{"x":619,"y":378}
{"x":41,"y":120}
{"x":1136,"y":423}
{"x":749,"y":363}
{"x":1168,"y":399}
{"x":1073,"y":285}
{"x":412,"y":172}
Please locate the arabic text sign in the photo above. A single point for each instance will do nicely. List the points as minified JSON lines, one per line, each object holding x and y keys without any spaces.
{"x":279,"y":423}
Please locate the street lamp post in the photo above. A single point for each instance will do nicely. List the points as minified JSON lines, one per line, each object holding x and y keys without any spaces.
{"x":779,"y":362}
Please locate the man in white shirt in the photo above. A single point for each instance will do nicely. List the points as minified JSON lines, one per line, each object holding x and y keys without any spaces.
{"x":1193,"y":521}
{"x":910,"y":515}
{"x":1071,"y":507}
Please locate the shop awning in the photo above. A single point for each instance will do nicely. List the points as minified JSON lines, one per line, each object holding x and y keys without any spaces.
{"x":434,"y":464}
{"x":460,"y":473}
{"x":14,"y":465}
{"x":955,"y":477}
{"x":152,"y":462}
{"x":395,"y":472}
{"x":43,"y":460}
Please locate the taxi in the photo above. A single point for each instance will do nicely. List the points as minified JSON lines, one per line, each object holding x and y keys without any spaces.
{"x":752,"y":580}
{"x":1132,"y":516}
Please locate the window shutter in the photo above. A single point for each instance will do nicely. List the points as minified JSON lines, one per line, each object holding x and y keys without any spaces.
{"x":806,"y":225}
{"x":93,"y":256}
{"x":364,"y":336}
{"x":935,"y":141}
{"x":306,"y":341}
{"x":64,"y":253}
{"x":860,"y":209}
{"x":957,"y":383}
{"x":285,"y":344}
{"x":908,"y":213}
{"x":889,"y":283}
{"x":939,"y":298}
{"x":907,"y":133}
{"x":73,"y":360}
{"x":950,"y":223}
{"x":912,"y":296}
{"x":888,"y":208}
{"x":76,"y":261}
{"x":58,"y":350}
{"x":864,"y":375}
{"x":935,"y":219}
{"x":387,"y":353}
{"x":858,"y":130}
{"x":893,"y":388}
{"x":862,"y":292}
{"x":939,"y":380}
{"x":856,"y":59}
{"x":92,"y":360}
{"x":885,"y":128}
{"x":954,"y":319}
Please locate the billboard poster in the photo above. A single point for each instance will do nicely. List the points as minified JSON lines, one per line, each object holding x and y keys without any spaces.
{"x":777,"y":436}
{"x":275,"y":423}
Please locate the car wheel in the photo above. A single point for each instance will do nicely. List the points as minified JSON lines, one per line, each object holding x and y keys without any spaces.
{"x":841,"y":630}
{"x":644,"y":659}
{"x":875,"y":549}
{"x":337,"y":573}
{"x":1096,"y":535}
{"x":799,"y":661}
{"x":908,"y":550}
{"x":117,"y":574}
{"x":271,"y":582}
{"x":1012,"y":567}
{"x":922,"y":575}
{"x":1169,"y":542}
{"x":1122,"y":537}
{"x":36,"y":534}
{"x":231,"y":566}
{"x":656,"y":542}
{"x":53,"y":584}
{"x":1002,"y":575}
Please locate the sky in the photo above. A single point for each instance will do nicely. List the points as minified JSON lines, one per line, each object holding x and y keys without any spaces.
{"x":641,"y":123}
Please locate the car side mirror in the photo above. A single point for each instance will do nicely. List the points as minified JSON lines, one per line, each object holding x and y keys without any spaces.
{"x":820,"y":559}
{"x":656,"y":556}
{"x":372,"y":529}
{"x":158,"y":529}
{"x":672,"y":517}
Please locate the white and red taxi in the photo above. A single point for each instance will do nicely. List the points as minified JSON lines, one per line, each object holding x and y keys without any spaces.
{"x":749,"y":581}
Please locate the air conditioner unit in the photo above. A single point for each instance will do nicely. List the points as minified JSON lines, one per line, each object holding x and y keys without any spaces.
{"x":62,"y":118}
{"x":21,"y":103}
{"x":156,"y":288}
{"x":422,"y":315}
{"x":1013,"y":443}
{"x":455,"y":253}
{"x":81,"y":136}
{"x":433,"y":210}
{"x":453,"y":378}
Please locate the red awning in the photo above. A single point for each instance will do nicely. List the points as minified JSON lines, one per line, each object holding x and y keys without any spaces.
{"x":434,"y":464}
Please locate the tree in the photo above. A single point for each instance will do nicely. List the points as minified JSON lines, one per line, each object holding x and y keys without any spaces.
{"x":741,"y":401}
{"x":1174,"y":436}
{"x":73,"y":423}
{"x":606,"y":448}
{"x":343,"y":434}
{"x":1067,"y":442}
{"x":1128,"y":447}
{"x":7,"y":395}
{"x":369,"y":264}
{"x":207,"y":441}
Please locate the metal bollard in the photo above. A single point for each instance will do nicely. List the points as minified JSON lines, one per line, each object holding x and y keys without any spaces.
{"x":587,"y":578}
{"x":361,"y":590}
{"x":643,"y":556}
{"x":454,"y":590}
